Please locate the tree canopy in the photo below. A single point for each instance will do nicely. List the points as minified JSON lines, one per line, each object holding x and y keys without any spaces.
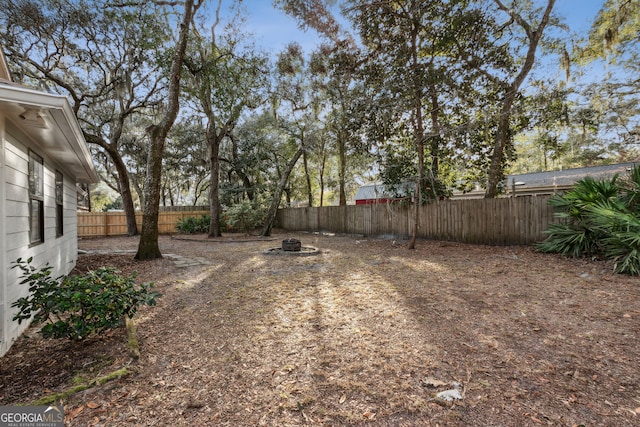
{"x":181,"y":107}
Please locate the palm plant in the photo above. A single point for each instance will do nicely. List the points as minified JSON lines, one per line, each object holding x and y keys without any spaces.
{"x":631,"y":196}
{"x":575,"y":235}
{"x":599,"y":218}
{"x":621,"y":235}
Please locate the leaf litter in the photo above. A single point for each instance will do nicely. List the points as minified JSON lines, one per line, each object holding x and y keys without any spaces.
{"x":368,"y":332}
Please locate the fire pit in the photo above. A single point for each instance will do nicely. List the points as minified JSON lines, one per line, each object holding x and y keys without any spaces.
{"x":292,"y":247}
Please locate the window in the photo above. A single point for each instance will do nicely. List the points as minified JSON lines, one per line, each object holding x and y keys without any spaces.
{"x":59,"y":204}
{"x":36,"y":198}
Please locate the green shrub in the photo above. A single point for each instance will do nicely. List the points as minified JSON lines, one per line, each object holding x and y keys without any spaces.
{"x":197,"y":225}
{"x":76,"y":307}
{"x":599,"y":218}
{"x":244,"y":216}
{"x":620,"y":231}
{"x":194,"y":225}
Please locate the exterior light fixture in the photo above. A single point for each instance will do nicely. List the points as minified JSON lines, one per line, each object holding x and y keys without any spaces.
{"x":33,"y":118}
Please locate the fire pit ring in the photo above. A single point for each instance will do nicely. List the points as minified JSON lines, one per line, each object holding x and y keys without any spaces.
{"x":292,"y":247}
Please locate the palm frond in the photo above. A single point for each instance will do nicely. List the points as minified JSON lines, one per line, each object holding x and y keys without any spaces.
{"x":599,"y":217}
{"x":631,"y":194}
{"x":567,"y":240}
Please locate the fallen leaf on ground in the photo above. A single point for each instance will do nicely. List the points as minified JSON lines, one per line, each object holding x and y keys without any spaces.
{"x":369,"y":415}
{"x":433,"y":382}
{"x":536,"y":420}
{"x":74,"y":413}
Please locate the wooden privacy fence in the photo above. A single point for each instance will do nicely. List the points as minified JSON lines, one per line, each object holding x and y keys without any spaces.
{"x":503,"y":221}
{"x":104,"y":224}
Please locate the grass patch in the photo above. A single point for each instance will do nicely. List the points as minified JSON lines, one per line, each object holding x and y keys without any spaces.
{"x":56,"y":397}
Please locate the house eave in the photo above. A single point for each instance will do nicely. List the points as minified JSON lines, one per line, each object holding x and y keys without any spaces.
{"x":49,"y":121}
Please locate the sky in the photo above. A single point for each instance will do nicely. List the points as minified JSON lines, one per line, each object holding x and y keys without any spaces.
{"x":273,"y":29}
{"x":579,"y":14}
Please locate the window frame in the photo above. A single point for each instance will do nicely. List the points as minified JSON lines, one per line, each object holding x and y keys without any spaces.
{"x":36,"y":198}
{"x":59,"y":199}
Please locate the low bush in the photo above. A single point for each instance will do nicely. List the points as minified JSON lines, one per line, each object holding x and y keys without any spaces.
{"x":244,"y":216}
{"x":194,"y":225}
{"x":76,"y":307}
{"x":599,"y":218}
{"x":198,"y":225}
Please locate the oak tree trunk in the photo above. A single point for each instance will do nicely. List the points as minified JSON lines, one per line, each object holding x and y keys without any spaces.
{"x":148,"y":247}
{"x":342,"y":171}
{"x":215,"y":230}
{"x":273,"y":209}
{"x":503,"y":134}
{"x":124,"y":184}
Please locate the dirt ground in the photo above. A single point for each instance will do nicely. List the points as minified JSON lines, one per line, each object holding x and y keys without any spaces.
{"x":365,"y":333}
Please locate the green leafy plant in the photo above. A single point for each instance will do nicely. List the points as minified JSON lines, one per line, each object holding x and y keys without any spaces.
{"x":244,"y":216}
{"x":599,"y":218}
{"x":194,"y":225}
{"x":76,"y":307}
{"x":620,"y":231}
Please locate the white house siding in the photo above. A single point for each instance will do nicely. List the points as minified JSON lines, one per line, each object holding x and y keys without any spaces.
{"x":57,"y":251}
{"x":3,"y":266}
